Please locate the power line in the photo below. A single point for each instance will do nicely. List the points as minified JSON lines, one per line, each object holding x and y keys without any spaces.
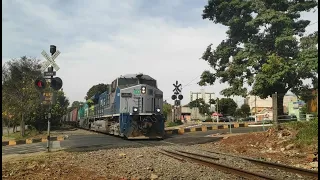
{"x":313,"y":23}
{"x":189,"y":83}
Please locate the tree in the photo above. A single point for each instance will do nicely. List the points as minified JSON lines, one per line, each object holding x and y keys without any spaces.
{"x":18,"y":89}
{"x":243,"y":111}
{"x":227,"y":106}
{"x":166,"y":109}
{"x":96,"y":89}
{"x":21,"y":100}
{"x":76,"y":104}
{"x":245,"y":108}
{"x":262,"y":48}
{"x":200,"y":103}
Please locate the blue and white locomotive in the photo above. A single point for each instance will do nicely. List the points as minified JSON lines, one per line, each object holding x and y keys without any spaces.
{"x":130,"y":108}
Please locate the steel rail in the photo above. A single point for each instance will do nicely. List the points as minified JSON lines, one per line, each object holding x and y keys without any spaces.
{"x":286,"y":168}
{"x":225,"y":168}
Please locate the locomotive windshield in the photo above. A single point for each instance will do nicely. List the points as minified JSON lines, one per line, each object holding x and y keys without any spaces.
{"x":152,"y":83}
{"x":127,"y":82}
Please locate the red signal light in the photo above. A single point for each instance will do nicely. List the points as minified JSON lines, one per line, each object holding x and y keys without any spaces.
{"x":40,"y":84}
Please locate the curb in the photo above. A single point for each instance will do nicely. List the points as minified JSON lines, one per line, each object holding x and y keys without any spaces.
{"x":181,"y":131}
{"x":30,"y":141}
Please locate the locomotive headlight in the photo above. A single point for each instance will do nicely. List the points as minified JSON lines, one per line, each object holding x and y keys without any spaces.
{"x":135,"y":109}
{"x":158,"y":110}
{"x":143,"y":89}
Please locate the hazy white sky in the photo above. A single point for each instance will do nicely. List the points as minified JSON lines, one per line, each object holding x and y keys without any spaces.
{"x":100,"y":40}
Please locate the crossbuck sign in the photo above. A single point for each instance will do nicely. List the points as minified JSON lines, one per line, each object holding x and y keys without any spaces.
{"x":50,"y":61}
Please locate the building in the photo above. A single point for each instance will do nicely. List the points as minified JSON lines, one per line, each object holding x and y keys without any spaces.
{"x":206,"y":96}
{"x":189,"y":114}
{"x":259,"y":105}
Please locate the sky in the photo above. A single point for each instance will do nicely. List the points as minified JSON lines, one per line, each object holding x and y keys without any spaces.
{"x":100,"y":40}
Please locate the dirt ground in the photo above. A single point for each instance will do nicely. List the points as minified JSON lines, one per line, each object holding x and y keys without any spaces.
{"x":45,"y":166}
{"x":274,"y":146}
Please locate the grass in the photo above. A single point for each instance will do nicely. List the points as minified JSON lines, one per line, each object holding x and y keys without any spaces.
{"x":30,"y":133}
{"x":171,"y":124}
{"x":307,"y":131}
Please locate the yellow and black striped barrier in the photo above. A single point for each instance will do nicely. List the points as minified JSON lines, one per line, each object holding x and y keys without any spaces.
{"x":204,"y":128}
{"x":30,"y":141}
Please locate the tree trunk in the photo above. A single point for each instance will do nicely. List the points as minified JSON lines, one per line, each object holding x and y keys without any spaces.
{"x":280,"y":97}
{"x":13,"y":128}
{"x":8,"y":127}
{"x":22,"y":127}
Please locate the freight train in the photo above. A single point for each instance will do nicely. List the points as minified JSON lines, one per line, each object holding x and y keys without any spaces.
{"x":130,"y":108}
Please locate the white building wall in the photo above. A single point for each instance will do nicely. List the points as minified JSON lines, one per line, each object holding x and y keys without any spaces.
{"x":250,"y":100}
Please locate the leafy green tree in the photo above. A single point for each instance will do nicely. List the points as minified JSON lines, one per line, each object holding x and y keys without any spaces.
{"x":227,"y":106}
{"x":243,"y":111}
{"x":18,"y":87}
{"x":166,"y":109}
{"x":76,"y":104}
{"x":262,"y":48}
{"x":245,"y":108}
{"x":96,"y":89}
{"x":21,"y":101}
{"x":203,"y":107}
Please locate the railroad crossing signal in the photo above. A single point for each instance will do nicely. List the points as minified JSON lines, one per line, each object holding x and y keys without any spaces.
{"x":50,"y":61}
{"x":177,"y":89}
{"x":56,"y":83}
{"x":40,"y":84}
{"x":47,"y":98}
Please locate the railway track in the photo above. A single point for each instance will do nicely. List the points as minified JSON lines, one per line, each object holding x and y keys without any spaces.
{"x":210,"y":161}
{"x":286,"y":168}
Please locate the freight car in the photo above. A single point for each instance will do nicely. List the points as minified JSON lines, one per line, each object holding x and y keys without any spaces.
{"x":130,"y":108}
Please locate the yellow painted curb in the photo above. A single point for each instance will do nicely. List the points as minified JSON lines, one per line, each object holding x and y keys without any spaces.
{"x":192,"y":129}
{"x":181,"y":131}
{"x":214,"y":127}
{"x":44,"y":140}
{"x":236,"y":125}
{"x":60,"y":138}
{"x":11,"y":143}
{"x":204,"y":128}
{"x":245,"y":124}
{"x":169,"y":132}
{"x":28,"y":141}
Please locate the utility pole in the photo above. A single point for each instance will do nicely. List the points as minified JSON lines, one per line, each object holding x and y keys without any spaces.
{"x":217,"y":109}
{"x":255,"y":108}
{"x":275,"y":110}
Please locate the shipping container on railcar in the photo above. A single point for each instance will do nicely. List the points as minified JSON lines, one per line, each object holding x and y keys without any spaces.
{"x":74,"y":114}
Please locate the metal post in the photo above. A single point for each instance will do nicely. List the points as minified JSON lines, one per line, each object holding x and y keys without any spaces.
{"x":50,"y":69}
{"x":217,"y":110}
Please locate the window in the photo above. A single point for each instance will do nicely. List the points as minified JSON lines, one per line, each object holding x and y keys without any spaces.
{"x":150,"y":91}
{"x":152,"y":83}
{"x":127,"y":82}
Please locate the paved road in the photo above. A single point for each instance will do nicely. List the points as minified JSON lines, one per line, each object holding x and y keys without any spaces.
{"x":24,"y":149}
{"x":89,"y":142}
